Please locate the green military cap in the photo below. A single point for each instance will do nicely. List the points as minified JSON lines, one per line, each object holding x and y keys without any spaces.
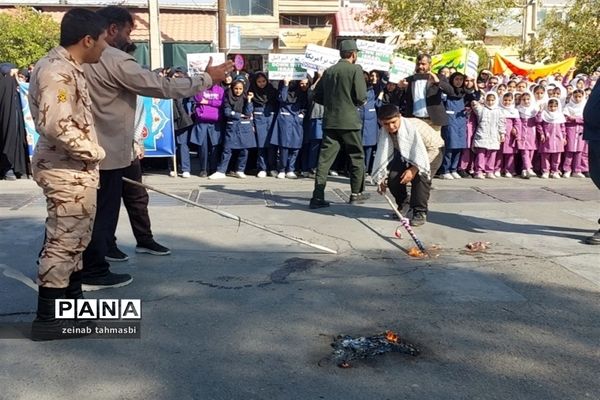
{"x":348,"y":45}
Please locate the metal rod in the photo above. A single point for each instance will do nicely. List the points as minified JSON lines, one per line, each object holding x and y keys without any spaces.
{"x":232,"y":216}
{"x":406,"y":224}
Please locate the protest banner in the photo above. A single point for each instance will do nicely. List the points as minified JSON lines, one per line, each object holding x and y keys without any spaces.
{"x":508,"y":66}
{"x":374,"y":56}
{"x":463,"y":60}
{"x":197,"y":62}
{"x":401,"y":68}
{"x":319,"y":58}
{"x":286,"y":66}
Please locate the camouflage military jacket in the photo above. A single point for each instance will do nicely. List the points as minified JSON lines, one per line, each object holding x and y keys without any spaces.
{"x":67,"y":151}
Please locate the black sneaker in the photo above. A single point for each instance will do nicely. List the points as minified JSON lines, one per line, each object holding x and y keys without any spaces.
{"x":359,"y":198}
{"x":202,"y":174}
{"x":318,"y":203}
{"x":116,"y":255}
{"x":464,"y":174}
{"x":108,"y":281}
{"x":418,"y":219}
{"x":152,"y":248}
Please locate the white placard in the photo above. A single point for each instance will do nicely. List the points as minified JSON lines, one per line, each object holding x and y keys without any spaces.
{"x":286,"y":66}
{"x":401,"y":68}
{"x":374,"y":56}
{"x":197,"y":62}
{"x":319,"y":58}
{"x":471,"y":69}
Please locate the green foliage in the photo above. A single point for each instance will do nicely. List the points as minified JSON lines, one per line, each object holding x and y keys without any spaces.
{"x":26,"y":36}
{"x":433,"y":25}
{"x":576,"y":35}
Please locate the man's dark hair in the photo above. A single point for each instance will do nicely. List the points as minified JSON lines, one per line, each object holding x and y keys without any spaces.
{"x":346,"y":54}
{"x":388,"y":111}
{"x":422,"y":56}
{"x":116,"y":15}
{"x":78,"y":23}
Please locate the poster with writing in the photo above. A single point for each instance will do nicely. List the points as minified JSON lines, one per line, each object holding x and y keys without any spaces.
{"x":197,"y":62}
{"x":286,"y":66}
{"x":374,"y":56}
{"x":401,"y":68}
{"x":471,"y":69}
{"x":319,"y":58}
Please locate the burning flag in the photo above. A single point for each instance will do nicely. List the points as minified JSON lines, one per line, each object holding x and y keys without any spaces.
{"x":347,"y":348}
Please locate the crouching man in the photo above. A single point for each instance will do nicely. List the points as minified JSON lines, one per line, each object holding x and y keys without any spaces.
{"x":65,"y":164}
{"x":409,"y":151}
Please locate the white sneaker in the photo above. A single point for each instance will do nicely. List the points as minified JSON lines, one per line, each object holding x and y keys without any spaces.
{"x":479,"y":175}
{"x":555,"y":175}
{"x":291,"y":175}
{"x":524,"y":174}
{"x":545,"y":175}
{"x":497,"y":174}
{"x":240,"y":174}
{"x":446,"y":176}
{"x":274,"y":173}
{"x":507,"y":175}
{"x":185,"y":174}
{"x":578,"y":175}
{"x":217,"y":175}
{"x":455,"y":175}
{"x":490,"y":175}
{"x":333,"y":173}
{"x":532,"y":173}
{"x":172,"y":174}
{"x":567,"y":174}
{"x":262,"y":174}
{"x":281,"y":175}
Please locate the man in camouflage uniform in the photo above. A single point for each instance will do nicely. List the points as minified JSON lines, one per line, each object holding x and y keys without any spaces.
{"x":65,"y":163}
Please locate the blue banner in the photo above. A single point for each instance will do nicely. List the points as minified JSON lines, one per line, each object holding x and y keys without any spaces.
{"x":32,"y":135}
{"x":158,"y":134}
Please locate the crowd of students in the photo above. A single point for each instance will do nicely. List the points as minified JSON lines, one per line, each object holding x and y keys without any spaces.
{"x":497,"y":126}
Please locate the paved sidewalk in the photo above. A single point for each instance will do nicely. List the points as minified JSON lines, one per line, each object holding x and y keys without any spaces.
{"x":239,"y":313}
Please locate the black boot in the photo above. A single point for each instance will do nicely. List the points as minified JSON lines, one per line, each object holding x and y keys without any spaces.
{"x":74,"y":289}
{"x":47,"y":327}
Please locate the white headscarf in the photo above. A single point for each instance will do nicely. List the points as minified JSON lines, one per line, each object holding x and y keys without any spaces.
{"x":573,"y":109}
{"x":495,"y":100}
{"x":528,"y":112}
{"x":510,"y":111}
{"x":553,"y":117}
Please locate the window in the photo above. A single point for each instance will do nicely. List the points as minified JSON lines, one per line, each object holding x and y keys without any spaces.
{"x":250,"y":7}
{"x":311,"y":21}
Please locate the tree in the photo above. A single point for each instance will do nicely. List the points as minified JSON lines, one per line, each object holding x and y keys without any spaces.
{"x":26,"y":36}
{"x":574,"y":35}
{"x":436,"y":26}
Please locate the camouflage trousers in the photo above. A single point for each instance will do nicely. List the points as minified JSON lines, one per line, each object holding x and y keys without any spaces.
{"x":71,"y":213}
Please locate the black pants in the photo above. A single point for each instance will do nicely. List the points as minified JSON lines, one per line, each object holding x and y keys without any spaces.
{"x":105,"y":224}
{"x":135,"y":199}
{"x":420,"y":187}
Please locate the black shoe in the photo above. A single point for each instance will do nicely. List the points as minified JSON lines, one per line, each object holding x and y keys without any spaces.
{"x":203,"y":174}
{"x":108,"y":281}
{"x":318,"y":203}
{"x":152,"y":248}
{"x":359,"y":198}
{"x":74,"y":291}
{"x":464,"y":174}
{"x":586,"y":174}
{"x":418,"y":219}
{"x":594,"y":239}
{"x":47,"y":327}
{"x":116,"y":255}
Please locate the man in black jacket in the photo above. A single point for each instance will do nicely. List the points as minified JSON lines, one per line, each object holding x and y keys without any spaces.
{"x":591,"y":133}
{"x":423,"y":95}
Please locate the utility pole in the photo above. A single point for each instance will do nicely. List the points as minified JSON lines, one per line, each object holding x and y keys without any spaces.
{"x":156,"y":56}
{"x":222,"y":15}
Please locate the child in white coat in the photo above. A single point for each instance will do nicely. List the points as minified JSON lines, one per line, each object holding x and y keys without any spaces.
{"x":489,"y":135}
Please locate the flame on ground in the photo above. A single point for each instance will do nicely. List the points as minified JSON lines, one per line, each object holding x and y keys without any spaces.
{"x":415,"y":252}
{"x":391,"y":336}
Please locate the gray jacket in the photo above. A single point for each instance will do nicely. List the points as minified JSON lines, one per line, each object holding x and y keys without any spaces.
{"x":114,"y":84}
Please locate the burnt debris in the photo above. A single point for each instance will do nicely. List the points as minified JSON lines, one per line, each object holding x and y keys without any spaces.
{"x":347,"y":348}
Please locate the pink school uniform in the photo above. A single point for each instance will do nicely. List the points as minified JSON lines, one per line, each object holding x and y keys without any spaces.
{"x":574,"y":132}
{"x":551,"y":130}
{"x":505,"y":160}
{"x":527,"y":140}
